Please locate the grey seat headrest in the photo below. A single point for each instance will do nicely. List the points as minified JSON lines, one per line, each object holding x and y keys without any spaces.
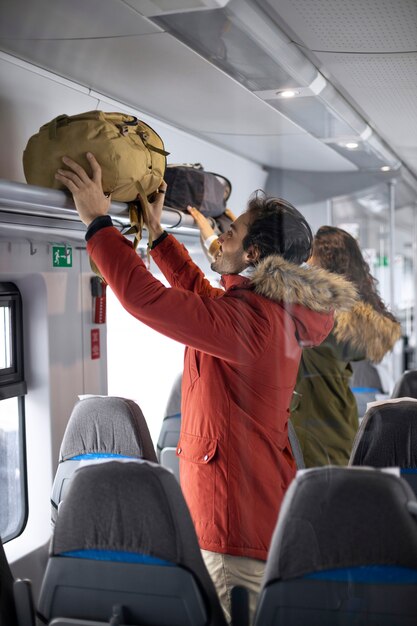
{"x":107,"y":425}
{"x":336,"y":517}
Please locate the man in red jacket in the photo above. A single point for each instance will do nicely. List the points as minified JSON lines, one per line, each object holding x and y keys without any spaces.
{"x":243,"y":348}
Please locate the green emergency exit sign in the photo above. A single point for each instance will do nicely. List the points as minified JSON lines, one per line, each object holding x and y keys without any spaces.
{"x":61,"y":256}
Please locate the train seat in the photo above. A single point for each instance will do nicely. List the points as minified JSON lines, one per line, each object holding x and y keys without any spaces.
{"x":365,"y":374}
{"x":124,"y":545}
{"x":406,"y":385}
{"x":170,"y":430}
{"x":344,"y":552}
{"x":167,"y":443}
{"x":387,"y":437}
{"x":363,"y":396}
{"x":100,"y":427}
{"x":366,"y":384}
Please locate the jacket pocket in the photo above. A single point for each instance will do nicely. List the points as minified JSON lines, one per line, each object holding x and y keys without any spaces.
{"x":193,"y":365}
{"x":198,"y":475}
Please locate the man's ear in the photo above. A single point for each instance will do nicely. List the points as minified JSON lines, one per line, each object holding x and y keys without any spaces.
{"x":252,"y":254}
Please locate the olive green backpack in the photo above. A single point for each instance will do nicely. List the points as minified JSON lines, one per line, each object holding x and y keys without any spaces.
{"x":131,"y":155}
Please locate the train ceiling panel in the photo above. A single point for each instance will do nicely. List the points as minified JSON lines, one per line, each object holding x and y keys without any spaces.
{"x":298,"y":152}
{"x":125,"y":71}
{"x":369,"y":51}
{"x":388,"y":95}
{"x":114,"y":50}
{"x":33,"y":20}
{"x":355,"y":26}
{"x":222,"y":66}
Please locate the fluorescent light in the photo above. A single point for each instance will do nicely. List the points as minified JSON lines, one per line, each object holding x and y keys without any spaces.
{"x":351,"y":145}
{"x":385,"y":168}
{"x":287,"y":93}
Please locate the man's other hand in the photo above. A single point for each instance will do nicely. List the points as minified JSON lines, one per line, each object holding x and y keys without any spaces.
{"x":202,"y":222}
{"x":155,"y":212}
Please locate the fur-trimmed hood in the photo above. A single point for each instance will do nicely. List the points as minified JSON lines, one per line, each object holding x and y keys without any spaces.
{"x":368,"y":331}
{"x":358,"y":323}
{"x":307,"y":285}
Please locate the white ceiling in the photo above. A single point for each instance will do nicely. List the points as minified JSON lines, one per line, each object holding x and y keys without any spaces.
{"x":368,"y":48}
{"x":107,"y":46}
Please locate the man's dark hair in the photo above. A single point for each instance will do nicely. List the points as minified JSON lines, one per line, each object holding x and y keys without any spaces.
{"x":276,"y":227}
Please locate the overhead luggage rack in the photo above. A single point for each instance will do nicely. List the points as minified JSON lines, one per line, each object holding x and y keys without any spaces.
{"x":39,"y":209}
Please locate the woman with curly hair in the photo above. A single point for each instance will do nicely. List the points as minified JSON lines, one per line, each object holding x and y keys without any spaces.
{"x":324,"y":410}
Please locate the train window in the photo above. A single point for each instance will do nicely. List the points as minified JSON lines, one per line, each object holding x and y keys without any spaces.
{"x":13,"y":507}
{"x":5,"y":338}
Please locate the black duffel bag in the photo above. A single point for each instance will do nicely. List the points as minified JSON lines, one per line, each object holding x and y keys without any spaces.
{"x":191,"y":185}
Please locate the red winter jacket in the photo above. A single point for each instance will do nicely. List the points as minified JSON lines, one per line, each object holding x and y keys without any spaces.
{"x":240,"y":368}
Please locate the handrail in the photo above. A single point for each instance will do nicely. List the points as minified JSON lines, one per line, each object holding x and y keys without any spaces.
{"x":53,"y":203}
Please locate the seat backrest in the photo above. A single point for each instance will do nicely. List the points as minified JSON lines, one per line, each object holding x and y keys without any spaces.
{"x":166,"y":447}
{"x":124,"y":537}
{"x":387,"y":437}
{"x":169,"y":459}
{"x":406,"y":386}
{"x":170,"y":433}
{"x":366,"y":375}
{"x":363,"y":396}
{"x":167,"y":444}
{"x":173,"y":406}
{"x":7,"y":604}
{"x":170,"y":429}
{"x":365,"y":384}
{"x":99,"y":428}
{"x":335,"y":526}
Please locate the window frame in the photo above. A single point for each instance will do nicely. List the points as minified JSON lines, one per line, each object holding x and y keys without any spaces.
{"x":12,"y":382}
{"x":13,"y":385}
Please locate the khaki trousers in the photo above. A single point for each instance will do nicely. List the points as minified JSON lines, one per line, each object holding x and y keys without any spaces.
{"x":229,"y":571}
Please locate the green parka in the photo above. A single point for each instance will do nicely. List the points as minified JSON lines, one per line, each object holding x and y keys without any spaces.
{"x":324,"y":410}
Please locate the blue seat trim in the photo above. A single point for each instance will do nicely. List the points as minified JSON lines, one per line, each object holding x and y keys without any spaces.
{"x":408,"y":470}
{"x":365,"y":390}
{"x":368,"y":574}
{"x":115,"y":555}
{"x":168,"y":417}
{"x":99,"y":455}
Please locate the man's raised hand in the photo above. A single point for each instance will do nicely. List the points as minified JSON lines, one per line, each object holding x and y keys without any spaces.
{"x":89,"y":198}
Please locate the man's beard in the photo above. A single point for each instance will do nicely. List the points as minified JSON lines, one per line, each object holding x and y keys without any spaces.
{"x":233,"y":264}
